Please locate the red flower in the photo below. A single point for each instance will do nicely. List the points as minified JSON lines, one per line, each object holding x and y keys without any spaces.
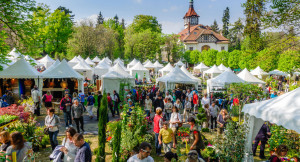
{"x":108,"y":139}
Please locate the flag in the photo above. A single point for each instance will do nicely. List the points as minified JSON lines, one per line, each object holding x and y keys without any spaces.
{"x":136,"y":76}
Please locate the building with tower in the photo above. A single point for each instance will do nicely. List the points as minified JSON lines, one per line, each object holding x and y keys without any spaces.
{"x":200,"y":37}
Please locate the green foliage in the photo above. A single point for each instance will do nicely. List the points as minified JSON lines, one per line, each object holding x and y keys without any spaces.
{"x":201,"y":116}
{"x":222,"y":58}
{"x":210,"y":57}
{"x":102,"y":129}
{"x":144,"y":22}
{"x":235,"y":35}
{"x":187,"y":55}
{"x":225,"y":20}
{"x":172,"y":47}
{"x":289,"y":61}
{"x":267,"y":59}
{"x":116,"y":140}
{"x":210,"y":153}
{"x":231,"y":146}
{"x":233,"y":59}
{"x":215,"y":27}
{"x":247,"y":60}
{"x":194,"y":56}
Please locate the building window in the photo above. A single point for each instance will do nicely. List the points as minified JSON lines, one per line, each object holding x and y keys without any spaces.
{"x":222,"y":48}
{"x":191,"y":48}
{"x":205,"y":37}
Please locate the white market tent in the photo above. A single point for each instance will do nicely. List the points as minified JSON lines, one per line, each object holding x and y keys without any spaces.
{"x":107,"y":60}
{"x":213,"y":71}
{"x":190,"y":75}
{"x":222,"y":67}
{"x":112,"y":79}
{"x":158,"y":65}
{"x":201,"y":67}
{"x":21,"y":69}
{"x":57,"y":62}
{"x":278,"y":72}
{"x":80,"y":58}
{"x":259,"y":72}
{"x":248,"y":77}
{"x":139,"y":70}
{"x":282,"y":110}
{"x":85,"y":69}
{"x":132,"y":63}
{"x":222,"y":80}
{"x":176,"y":76}
{"x":118,"y":60}
{"x":89,"y":61}
{"x":96,"y":59}
{"x":101,"y":68}
{"x":146,"y":62}
{"x":121,"y":69}
{"x":30,"y":59}
{"x":14,"y":55}
{"x":180,"y":63}
{"x":164,"y":71}
{"x":149,"y":65}
{"x":64,"y":70}
{"x":74,"y":61}
{"x":47,"y":61}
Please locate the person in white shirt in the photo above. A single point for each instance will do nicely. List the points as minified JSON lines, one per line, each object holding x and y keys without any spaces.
{"x":69,"y":149}
{"x":214,"y":111}
{"x":187,"y":109}
{"x":168,"y":96}
{"x":205,"y":100}
{"x":148,"y":105}
{"x":190,"y":95}
{"x":175,"y":119}
{"x":35,"y":94}
{"x":143,"y":155}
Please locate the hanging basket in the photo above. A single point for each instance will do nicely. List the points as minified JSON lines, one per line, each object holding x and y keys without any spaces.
{"x":28,"y":83}
{"x":64,"y":84}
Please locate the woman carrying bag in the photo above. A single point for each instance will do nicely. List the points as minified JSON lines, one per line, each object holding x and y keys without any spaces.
{"x":51,"y":122}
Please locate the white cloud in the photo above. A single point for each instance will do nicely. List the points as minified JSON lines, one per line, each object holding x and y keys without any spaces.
{"x":165,"y":10}
{"x":169,"y":27}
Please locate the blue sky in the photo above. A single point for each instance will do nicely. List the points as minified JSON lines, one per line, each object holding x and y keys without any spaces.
{"x":168,"y":12}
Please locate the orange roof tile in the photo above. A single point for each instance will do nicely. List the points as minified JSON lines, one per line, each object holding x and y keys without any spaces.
{"x":191,"y":12}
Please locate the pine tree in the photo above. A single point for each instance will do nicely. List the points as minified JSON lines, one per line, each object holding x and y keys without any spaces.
{"x":117,"y":143}
{"x":116,"y":18}
{"x":215,"y":27}
{"x":102,"y":129}
{"x":254,"y":12}
{"x":225,"y":20}
{"x":100,"y":19}
{"x":67,"y":11}
{"x":123,"y":23}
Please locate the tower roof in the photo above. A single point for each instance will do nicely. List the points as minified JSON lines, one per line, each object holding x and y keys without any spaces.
{"x":191,"y":11}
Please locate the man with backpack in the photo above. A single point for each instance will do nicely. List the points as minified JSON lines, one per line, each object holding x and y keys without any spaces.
{"x":90,"y":105}
{"x":81,"y":96}
{"x":117,"y":101}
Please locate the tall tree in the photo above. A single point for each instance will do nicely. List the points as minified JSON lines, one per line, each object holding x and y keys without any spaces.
{"x":289,"y":61}
{"x":247,"y":60}
{"x":144,"y":22}
{"x":235,"y":35}
{"x":59,"y":29}
{"x":222,"y":58}
{"x":254,"y":12}
{"x":215,"y":26}
{"x":225,"y":20}
{"x":210,"y":57}
{"x":267,"y":59}
{"x":194,"y":56}
{"x":172,"y":47}
{"x":233,"y":59}
{"x":67,"y":12}
{"x":123,"y":23}
{"x":100,"y":19}
{"x":102,"y":129}
{"x":116,"y":19}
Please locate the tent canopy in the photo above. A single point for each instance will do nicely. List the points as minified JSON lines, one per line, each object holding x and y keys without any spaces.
{"x":80,"y":58}
{"x":282,"y":110}
{"x":139,"y":66}
{"x":52,"y":66}
{"x":213,"y":70}
{"x":167,"y":68}
{"x":278,"y":72}
{"x":20,"y":70}
{"x":62,"y":70}
{"x":222,"y":67}
{"x":248,"y":77}
{"x":75,"y":60}
{"x":14,"y":55}
{"x":149,"y":65}
{"x":96,"y":59}
{"x":102,"y":65}
{"x":189,"y":74}
{"x":225,"y":78}
{"x":108,"y":60}
{"x":121,"y":70}
{"x":132,"y":63}
{"x":201,"y":67}
{"x":158,"y":65}
{"x":46,"y":59}
{"x":176,"y":76}
{"x":89,"y":61}
{"x":146,"y":62}
{"x":82,"y":65}
{"x":258,"y":71}
{"x":180,"y":63}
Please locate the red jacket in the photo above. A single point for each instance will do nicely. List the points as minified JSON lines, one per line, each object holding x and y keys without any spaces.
{"x":156,"y":119}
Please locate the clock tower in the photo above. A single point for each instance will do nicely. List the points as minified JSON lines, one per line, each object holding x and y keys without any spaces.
{"x":191,"y":18}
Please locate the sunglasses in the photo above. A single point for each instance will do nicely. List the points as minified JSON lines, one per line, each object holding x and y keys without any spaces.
{"x":146,"y":151}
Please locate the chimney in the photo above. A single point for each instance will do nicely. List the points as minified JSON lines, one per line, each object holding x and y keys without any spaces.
{"x":221,"y":32}
{"x":189,"y":28}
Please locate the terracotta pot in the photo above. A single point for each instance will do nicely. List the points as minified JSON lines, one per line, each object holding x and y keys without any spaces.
{"x":51,"y":84}
{"x":76,"y":84}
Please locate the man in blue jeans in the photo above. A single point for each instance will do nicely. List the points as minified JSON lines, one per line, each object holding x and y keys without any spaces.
{"x":117,"y":101}
{"x":81,"y":96}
